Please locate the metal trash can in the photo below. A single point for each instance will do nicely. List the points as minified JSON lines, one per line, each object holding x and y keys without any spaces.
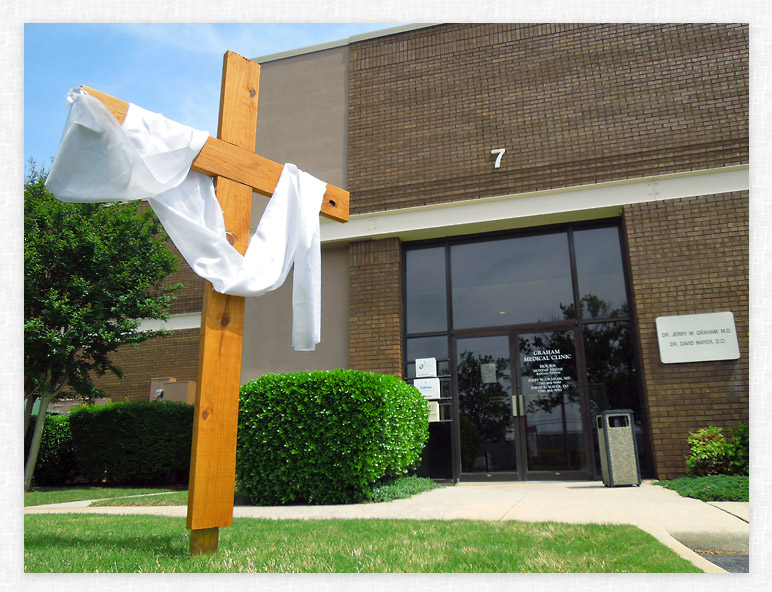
{"x":618,"y":449}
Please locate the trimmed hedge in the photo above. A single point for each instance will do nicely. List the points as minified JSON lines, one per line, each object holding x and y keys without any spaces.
{"x":326,"y":437}
{"x":136,"y":442}
{"x":56,"y":458}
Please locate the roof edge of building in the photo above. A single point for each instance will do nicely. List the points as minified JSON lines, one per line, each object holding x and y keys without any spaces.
{"x":340,"y":42}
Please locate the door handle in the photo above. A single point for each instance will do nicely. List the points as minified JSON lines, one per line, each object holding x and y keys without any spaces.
{"x":518,"y":406}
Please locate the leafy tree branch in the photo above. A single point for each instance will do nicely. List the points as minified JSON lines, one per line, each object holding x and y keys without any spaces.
{"x":91,"y":272}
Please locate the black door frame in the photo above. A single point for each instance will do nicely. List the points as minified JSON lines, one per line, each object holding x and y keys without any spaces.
{"x":523,"y":473}
{"x":458,"y":475}
{"x":451,"y":334}
{"x":584,"y":408}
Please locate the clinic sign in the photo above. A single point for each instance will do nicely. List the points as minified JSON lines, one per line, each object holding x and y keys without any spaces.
{"x":697,"y":338}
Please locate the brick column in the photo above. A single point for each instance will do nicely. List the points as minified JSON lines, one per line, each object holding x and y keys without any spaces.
{"x":375,"y":306}
{"x":689,"y":256}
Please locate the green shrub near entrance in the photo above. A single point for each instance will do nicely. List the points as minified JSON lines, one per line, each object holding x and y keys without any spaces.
{"x":326,"y":437}
{"x":136,"y":442}
{"x":716,"y":469}
{"x":738,"y":450}
{"x":707,"y":452}
{"x":710,"y":453}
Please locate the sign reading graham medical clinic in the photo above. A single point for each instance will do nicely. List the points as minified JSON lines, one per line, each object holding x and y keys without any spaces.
{"x":697,"y":338}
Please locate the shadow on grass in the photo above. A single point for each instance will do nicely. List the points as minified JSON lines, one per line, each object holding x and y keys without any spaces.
{"x":77,"y":533}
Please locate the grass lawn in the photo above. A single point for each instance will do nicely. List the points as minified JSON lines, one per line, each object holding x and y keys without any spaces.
{"x":713,"y":488}
{"x":170,"y":498}
{"x":57,"y":495}
{"x":404,"y":487}
{"x":98,"y":543}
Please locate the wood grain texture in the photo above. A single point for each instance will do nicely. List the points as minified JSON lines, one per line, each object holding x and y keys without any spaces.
{"x":204,"y":541}
{"x":239,"y":163}
{"x":213,"y":454}
{"x":237,"y":172}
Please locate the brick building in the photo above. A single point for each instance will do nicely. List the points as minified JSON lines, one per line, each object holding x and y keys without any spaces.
{"x":527,"y":200}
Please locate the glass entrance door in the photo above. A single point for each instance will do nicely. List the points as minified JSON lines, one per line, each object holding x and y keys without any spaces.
{"x":520,"y":409}
{"x":550,"y":405}
{"x":499,"y":308}
{"x":487,"y":432}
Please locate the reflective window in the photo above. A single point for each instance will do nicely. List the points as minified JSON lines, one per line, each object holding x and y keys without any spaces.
{"x":425,"y":294}
{"x":611,"y":375}
{"x":600,"y":273}
{"x":437,"y":456}
{"x":487,"y":429}
{"x":511,"y":281}
{"x":427,"y":347}
{"x":553,"y":412}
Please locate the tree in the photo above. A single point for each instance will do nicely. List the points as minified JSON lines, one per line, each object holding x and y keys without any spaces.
{"x":91,"y":272}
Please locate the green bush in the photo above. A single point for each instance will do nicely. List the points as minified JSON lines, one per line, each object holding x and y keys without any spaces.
{"x":326,"y":437}
{"x":56,"y":459}
{"x":136,"y":442}
{"x":739,"y":450}
{"x":712,"y":454}
{"x":707,"y":452}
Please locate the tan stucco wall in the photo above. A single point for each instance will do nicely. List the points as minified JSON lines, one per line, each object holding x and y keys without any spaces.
{"x":268,"y":325}
{"x":303,"y":113}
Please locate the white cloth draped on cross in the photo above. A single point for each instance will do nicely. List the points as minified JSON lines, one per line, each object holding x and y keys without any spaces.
{"x":149,"y":157}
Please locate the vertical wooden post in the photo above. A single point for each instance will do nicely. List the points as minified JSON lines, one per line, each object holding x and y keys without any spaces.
{"x":213,"y":454}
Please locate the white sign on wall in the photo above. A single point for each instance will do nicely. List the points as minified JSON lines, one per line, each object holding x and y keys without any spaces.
{"x":434,"y":411}
{"x":426,"y":367}
{"x":428,"y":387}
{"x":697,"y":338}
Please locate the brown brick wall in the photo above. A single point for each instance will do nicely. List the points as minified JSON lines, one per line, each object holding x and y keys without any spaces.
{"x":190,"y":297}
{"x":174,"y":355}
{"x":572,"y":104}
{"x":375,"y":306}
{"x":689,"y":256}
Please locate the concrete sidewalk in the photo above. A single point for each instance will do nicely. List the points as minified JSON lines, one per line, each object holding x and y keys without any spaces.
{"x":680,"y":523}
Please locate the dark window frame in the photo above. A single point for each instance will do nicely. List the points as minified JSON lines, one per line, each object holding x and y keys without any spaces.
{"x":579,"y":321}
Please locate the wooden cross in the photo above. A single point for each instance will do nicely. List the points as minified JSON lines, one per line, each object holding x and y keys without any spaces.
{"x":237,"y":171}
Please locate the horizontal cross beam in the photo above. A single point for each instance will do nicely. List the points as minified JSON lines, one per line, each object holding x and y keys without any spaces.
{"x":218,"y":157}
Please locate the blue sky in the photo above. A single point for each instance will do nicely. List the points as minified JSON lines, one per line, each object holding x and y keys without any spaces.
{"x":174,"y":69}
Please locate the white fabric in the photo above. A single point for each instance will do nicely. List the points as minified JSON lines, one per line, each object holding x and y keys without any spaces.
{"x":149,"y":157}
